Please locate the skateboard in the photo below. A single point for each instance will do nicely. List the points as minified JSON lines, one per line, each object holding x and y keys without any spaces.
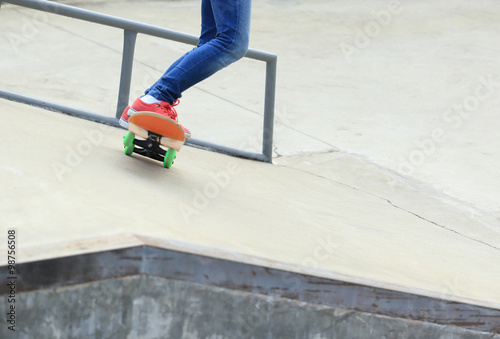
{"x":154,"y":130}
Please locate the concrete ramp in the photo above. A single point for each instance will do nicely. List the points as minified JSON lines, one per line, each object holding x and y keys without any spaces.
{"x":224,"y":231}
{"x":327,"y":242}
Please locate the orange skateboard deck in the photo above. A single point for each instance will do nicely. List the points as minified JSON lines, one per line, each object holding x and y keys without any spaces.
{"x":154,"y":130}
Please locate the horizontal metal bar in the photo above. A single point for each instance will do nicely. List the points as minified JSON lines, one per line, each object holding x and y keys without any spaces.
{"x":226,"y":150}
{"x":114,"y":122}
{"x":130,"y":25}
{"x":59,"y":108}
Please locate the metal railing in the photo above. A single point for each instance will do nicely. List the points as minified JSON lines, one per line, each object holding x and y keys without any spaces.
{"x":131,"y":29}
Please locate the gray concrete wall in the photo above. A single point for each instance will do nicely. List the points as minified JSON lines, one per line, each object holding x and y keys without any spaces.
{"x":151,"y":307}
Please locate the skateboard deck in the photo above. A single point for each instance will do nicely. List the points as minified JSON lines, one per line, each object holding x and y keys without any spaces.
{"x":154,"y":130}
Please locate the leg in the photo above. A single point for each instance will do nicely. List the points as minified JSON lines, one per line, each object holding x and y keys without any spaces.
{"x":224,"y":39}
{"x":208,"y":29}
{"x":208,"y":24}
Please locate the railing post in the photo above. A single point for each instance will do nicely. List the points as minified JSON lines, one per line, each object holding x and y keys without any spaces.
{"x":267,"y":139}
{"x":126,"y":73}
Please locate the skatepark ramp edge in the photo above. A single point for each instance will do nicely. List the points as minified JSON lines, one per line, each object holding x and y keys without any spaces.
{"x":165,"y":281}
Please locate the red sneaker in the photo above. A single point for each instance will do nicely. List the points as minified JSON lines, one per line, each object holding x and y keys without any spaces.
{"x":163,"y":108}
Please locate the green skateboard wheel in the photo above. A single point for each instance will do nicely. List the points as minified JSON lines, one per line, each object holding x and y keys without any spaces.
{"x":128,"y":140}
{"x":168,"y":161}
{"x":129,"y":149}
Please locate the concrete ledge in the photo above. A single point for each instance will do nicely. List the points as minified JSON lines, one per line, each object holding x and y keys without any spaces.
{"x":210,"y":272}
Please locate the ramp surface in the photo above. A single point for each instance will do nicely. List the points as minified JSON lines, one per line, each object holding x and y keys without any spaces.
{"x":378,"y":180}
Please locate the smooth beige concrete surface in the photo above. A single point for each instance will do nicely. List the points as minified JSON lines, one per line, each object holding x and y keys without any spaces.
{"x":378,"y":178}
{"x":76,"y":184}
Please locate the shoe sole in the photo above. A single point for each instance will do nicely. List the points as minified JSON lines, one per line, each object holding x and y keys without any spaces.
{"x":123,"y":123}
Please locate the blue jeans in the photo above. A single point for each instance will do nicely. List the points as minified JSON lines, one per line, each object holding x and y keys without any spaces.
{"x":225,"y":30}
